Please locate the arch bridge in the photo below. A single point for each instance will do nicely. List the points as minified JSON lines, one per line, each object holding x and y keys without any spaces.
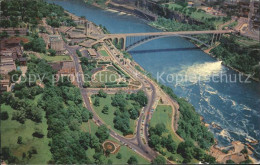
{"x":129,"y":41}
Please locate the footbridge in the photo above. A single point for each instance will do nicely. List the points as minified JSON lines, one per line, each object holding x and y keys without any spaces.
{"x":128,"y":41}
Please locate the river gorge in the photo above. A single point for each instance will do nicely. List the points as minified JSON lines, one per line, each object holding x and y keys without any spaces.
{"x":218,"y":93}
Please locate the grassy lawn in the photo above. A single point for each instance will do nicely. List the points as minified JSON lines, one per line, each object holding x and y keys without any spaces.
{"x":11,"y":129}
{"x":108,"y":118}
{"x":125,"y":151}
{"x":103,"y":53}
{"x":163,"y":114}
{"x":106,"y":76}
{"x":233,"y":24}
{"x":245,"y":41}
{"x":196,"y":15}
{"x":55,"y":58}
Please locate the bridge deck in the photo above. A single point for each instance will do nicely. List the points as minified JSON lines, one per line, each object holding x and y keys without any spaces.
{"x":168,"y":33}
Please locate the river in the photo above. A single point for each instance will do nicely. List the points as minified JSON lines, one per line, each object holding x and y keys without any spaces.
{"x":234,"y":106}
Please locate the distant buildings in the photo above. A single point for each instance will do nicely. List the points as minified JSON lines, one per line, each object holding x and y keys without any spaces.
{"x":14,"y":31}
{"x":11,"y":51}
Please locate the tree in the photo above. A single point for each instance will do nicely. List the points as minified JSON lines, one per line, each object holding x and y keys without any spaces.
{"x":36,"y":115}
{"x":79,"y":53}
{"x":160,"y":128}
{"x":198,"y":154}
{"x":102,"y":133}
{"x":109,"y":162}
{"x":19,"y":140}
{"x":107,"y":153}
{"x":141,"y":98}
{"x":230,"y":162}
{"x":154,"y":140}
{"x":105,"y":109}
{"x":119,"y":156}
{"x":38,"y":133}
{"x":96,"y":102}
{"x":132,"y":160}
{"x":4,"y":115}
{"x":186,"y":149}
{"x":159,"y":160}
{"x":99,"y":158}
{"x":37,"y":45}
{"x":134,"y":113}
{"x":52,"y":52}
{"x":85,"y":139}
{"x":101,"y":93}
{"x":209,"y":159}
{"x":19,"y":116}
{"x":84,"y":60}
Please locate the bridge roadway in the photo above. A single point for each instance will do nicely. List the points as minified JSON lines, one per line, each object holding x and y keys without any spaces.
{"x":123,"y":35}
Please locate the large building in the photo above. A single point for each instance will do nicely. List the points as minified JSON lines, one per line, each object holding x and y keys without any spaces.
{"x":57,"y":44}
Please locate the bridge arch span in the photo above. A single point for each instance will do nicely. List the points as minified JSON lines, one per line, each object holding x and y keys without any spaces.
{"x":151,"y":38}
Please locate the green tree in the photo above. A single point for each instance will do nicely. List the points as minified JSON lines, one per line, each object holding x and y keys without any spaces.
{"x":119,"y":156}
{"x":160,"y":128}
{"x":109,"y":162}
{"x":96,"y":102}
{"x":132,"y":160}
{"x":19,"y":140}
{"x":4,"y":115}
{"x":79,"y":53}
{"x":105,"y":109}
{"x":52,"y":52}
{"x":38,"y":133}
{"x":102,"y":133}
{"x":101,"y":93}
{"x":159,"y":160}
{"x":230,"y":162}
{"x":154,"y":140}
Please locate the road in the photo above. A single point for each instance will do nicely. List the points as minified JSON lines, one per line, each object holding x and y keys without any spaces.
{"x":138,"y":146}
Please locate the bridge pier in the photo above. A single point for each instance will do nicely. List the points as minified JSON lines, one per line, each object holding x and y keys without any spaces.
{"x":212,"y":41}
{"x":124,"y":43}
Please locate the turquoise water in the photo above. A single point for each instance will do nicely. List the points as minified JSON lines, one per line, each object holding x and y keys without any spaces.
{"x":234,"y":106}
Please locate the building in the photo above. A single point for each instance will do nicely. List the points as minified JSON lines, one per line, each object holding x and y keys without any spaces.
{"x":4,"y":85}
{"x":64,"y":68}
{"x":57,"y":44}
{"x":92,"y":52}
{"x":11,"y":48}
{"x":14,"y":31}
{"x":7,"y":65}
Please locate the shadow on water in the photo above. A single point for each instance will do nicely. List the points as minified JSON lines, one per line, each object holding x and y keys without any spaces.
{"x":164,"y":50}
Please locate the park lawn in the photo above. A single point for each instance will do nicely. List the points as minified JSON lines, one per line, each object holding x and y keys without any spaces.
{"x":55,"y":58}
{"x":125,"y":151}
{"x":232,"y":24}
{"x":161,"y":116}
{"x":106,"y":76}
{"x":11,"y":129}
{"x":108,"y":118}
{"x":196,"y":15}
{"x":103,"y":53}
{"x":243,"y":41}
